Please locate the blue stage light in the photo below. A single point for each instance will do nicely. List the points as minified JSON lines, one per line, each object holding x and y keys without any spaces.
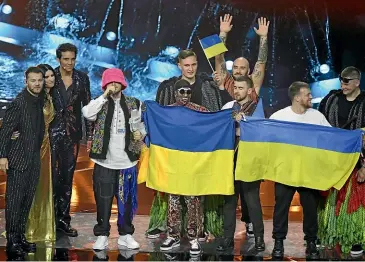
{"x":7,"y":9}
{"x":324,"y":69}
{"x":111,"y":36}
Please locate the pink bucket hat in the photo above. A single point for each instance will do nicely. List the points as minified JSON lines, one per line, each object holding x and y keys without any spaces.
{"x":113,"y":75}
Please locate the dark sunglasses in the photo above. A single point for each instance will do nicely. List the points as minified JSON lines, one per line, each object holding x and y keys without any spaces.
{"x":183,"y":91}
{"x":346,"y":80}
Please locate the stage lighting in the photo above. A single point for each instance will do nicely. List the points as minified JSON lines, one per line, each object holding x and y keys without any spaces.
{"x":111,"y":36}
{"x":229,"y":65}
{"x":324,"y":69}
{"x":7,"y":9}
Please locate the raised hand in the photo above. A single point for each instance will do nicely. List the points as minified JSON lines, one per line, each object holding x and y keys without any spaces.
{"x":263,"y":26}
{"x":225,"y":23}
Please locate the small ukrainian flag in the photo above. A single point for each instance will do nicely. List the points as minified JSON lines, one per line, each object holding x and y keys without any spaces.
{"x":212,"y":46}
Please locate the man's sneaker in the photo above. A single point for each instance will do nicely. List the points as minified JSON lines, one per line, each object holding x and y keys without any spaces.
{"x":311,"y":251}
{"x":154,"y":233}
{"x":203,"y":237}
{"x":101,"y":243}
{"x":225,"y":243}
{"x":100,"y":255}
{"x":128,"y":241}
{"x":356,"y":250}
{"x":195,"y":248}
{"x":249,"y":230}
{"x":319,"y":244}
{"x":169,"y":244}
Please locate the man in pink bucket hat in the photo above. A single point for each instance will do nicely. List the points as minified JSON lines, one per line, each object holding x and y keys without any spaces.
{"x":115,"y":149}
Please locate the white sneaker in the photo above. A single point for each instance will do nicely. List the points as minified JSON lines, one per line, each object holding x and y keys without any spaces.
{"x":249,"y":230}
{"x":128,"y":241}
{"x":195,"y":247}
{"x":101,"y":243}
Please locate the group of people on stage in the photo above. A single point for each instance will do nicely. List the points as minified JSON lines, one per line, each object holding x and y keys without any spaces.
{"x":42,"y":129}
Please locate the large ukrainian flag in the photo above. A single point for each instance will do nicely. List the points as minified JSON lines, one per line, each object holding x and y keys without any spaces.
{"x":212,"y":46}
{"x":190,"y":152}
{"x":296,"y":154}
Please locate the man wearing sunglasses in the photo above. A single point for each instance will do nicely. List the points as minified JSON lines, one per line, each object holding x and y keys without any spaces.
{"x":345,"y":108}
{"x":195,"y":215}
{"x":205,"y":92}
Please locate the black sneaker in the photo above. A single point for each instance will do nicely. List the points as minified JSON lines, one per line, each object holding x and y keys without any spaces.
{"x":278,"y":250}
{"x":311,"y":251}
{"x":169,"y":244}
{"x":249,"y":230}
{"x":356,"y":250}
{"x":319,"y":244}
{"x":226,"y":243}
{"x":195,"y":248}
{"x":154,"y":234}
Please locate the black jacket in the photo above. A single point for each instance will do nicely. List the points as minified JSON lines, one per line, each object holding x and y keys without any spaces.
{"x":211,"y":97}
{"x":68,"y":113}
{"x":20,"y":152}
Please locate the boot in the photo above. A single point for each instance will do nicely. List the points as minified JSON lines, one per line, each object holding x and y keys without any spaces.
{"x":259,"y":243}
{"x":278,"y":251}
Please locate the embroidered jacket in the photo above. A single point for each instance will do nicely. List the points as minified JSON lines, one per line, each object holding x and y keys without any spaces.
{"x":101,"y":138}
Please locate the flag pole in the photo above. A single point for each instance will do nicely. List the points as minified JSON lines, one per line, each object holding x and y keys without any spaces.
{"x":206,"y":55}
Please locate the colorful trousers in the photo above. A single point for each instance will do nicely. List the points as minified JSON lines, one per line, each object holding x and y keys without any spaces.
{"x":121,"y":184}
{"x":195,"y":216}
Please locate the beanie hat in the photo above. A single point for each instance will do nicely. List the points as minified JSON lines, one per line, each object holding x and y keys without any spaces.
{"x":181,"y":83}
{"x":113,"y":75}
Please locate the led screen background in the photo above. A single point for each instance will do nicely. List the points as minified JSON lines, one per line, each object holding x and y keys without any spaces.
{"x":308,"y":40}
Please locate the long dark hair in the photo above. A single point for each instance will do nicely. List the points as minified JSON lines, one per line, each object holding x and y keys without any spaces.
{"x":44,"y":68}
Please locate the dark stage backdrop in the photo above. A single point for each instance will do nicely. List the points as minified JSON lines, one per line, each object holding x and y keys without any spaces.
{"x":308,"y":40}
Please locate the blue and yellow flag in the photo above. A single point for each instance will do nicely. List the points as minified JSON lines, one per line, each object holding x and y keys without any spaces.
{"x":212,"y":46}
{"x":190,"y":152}
{"x":296,"y":154}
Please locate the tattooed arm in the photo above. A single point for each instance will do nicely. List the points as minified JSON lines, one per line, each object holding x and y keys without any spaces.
{"x":259,"y":70}
{"x":225,"y":27}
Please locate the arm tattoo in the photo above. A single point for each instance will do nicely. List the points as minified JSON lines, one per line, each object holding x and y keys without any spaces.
{"x":256,"y":71}
{"x":223,"y":38}
{"x":263,"y":50}
{"x":223,"y":69}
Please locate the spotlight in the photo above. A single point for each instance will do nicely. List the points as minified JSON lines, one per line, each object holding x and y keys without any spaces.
{"x":229,"y":65}
{"x":111,"y":36}
{"x":324,"y":69}
{"x":7,"y":9}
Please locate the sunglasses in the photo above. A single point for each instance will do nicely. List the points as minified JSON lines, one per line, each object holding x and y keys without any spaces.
{"x":346,"y":80}
{"x":183,"y":91}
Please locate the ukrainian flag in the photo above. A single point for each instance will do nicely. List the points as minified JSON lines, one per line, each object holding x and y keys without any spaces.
{"x":296,"y":154}
{"x":212,"y":46}
{"x":190,"y":152}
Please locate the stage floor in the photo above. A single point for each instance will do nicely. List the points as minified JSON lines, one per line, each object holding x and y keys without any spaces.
{"x":80,"y":248}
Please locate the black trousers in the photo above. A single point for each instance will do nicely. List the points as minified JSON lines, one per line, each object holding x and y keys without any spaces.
{"x":20,"y":190}
{"x":251,"y":192}
{"x":245,"y":216}
{"x":106,"y":182}
{"x":308,"y":199}
{"x":64,"y":157}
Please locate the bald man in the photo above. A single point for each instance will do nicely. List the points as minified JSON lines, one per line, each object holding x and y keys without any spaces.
{"x":241,"y":66}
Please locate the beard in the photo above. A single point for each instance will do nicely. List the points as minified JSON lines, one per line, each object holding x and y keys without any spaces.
{"x":239,"y":98}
